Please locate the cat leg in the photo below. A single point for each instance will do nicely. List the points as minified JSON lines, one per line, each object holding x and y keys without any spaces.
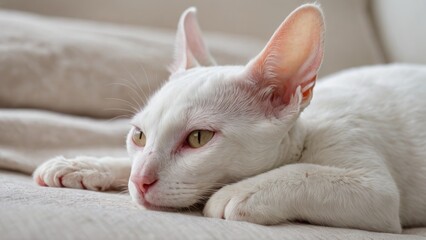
{"x":339,"y":197}
{"x":99,"y":174}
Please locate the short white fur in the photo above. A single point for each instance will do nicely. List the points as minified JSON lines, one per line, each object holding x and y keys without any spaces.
{"x":355,"y":157}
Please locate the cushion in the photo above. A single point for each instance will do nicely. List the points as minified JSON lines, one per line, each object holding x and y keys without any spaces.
{"x":350,"y":40}
{"x":90,"y":69}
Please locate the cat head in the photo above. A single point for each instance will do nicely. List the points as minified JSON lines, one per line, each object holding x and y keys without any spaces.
{"x":213,"y":125}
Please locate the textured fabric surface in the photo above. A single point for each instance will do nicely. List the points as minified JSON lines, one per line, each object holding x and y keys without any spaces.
{"x":30,"y":137}
{"x":32,"y":212}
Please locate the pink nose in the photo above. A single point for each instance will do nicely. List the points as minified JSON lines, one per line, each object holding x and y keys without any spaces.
{"x":143,"y":183}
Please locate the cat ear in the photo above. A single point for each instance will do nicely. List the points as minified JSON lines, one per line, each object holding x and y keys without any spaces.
{"x":190,"y":49}
{"x":292,"y":56}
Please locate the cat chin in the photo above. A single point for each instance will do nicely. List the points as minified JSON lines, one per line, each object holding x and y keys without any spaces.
{"x":146,"y":201}
{"x":141,"y":201}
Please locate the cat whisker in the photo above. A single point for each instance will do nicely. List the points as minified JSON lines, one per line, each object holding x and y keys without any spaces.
{"x":146,"y":77}
{"x":120,"y":109}
{"x":135,"y":82}
{"x":129,"y":85}
{"x":192,"y":208}
{"x":178,"y":195}
{"x":133,"y":91}
{"x":134,"y":86}
{"x":122,"y":189}
{"x":121,"y":116}
{"x":129,"y":104}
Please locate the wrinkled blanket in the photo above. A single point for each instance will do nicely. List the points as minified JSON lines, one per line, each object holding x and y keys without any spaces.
{"x":30,"y":136}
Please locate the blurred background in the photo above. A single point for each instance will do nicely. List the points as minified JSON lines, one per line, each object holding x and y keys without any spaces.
{"x":115,"y":39}
{"x":383,"y":30}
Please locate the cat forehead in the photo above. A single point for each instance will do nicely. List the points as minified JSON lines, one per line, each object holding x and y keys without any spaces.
{"x":185,"y":91}
{"x":193,"y":78}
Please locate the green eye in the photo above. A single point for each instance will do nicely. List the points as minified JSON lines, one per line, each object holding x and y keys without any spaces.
{"x":199,"y":138}
{"x":139,"y":138}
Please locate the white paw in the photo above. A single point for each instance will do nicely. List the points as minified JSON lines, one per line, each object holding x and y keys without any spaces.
{"x":80,"y":172}
{"x":243,"y":201}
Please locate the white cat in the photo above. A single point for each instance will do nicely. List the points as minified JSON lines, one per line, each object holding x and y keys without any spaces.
{"x":356,"y":157}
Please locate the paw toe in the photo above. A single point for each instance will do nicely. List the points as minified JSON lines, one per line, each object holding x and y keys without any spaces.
{"x":40,"y":181}
{"x":81,"y":173}
{"x":71,"y":180}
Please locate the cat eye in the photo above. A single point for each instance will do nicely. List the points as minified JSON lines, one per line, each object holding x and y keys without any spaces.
{"x":199,"y":138}
{"x":139,"y":138}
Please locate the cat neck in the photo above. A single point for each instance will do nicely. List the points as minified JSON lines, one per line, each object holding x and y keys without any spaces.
{"x":294,"y":144}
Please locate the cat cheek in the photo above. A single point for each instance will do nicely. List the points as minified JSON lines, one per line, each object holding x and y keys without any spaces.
{"x":132,"y":149}
{"x":131,"y":145}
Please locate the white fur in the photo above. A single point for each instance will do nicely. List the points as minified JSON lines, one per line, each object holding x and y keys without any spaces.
{"x":99,"y":174}
{"x":356,"y":157}
{"x":364,"y":161}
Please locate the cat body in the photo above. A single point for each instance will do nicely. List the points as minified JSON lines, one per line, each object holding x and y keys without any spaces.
{"x":372,"y":120}
{"x":255,"y":142}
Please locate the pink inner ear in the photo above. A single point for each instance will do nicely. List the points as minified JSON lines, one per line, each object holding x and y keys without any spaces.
{"x":293,"y":55}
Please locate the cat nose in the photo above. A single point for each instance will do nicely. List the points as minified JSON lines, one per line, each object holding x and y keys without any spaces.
{"x":143,"y":183}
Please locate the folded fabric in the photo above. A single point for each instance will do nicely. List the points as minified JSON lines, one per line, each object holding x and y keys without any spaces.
{"x":30,"y":137}
{"x":91,"y":69}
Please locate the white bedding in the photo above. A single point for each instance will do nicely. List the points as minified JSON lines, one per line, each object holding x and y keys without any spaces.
{"x":30,"y":136}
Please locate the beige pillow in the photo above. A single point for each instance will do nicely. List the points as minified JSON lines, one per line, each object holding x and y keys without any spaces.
{"x":90,"y":69}
{"x":350,"y":40}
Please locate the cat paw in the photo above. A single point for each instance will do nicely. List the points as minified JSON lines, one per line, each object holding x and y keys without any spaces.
{"x":80,"y":172}
{"x":241,"y":202}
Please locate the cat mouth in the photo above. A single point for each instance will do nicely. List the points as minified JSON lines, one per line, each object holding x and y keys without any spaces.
{"x":149,"y":206}
{"x":191,"y":203}
{"x":141,"y":200}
